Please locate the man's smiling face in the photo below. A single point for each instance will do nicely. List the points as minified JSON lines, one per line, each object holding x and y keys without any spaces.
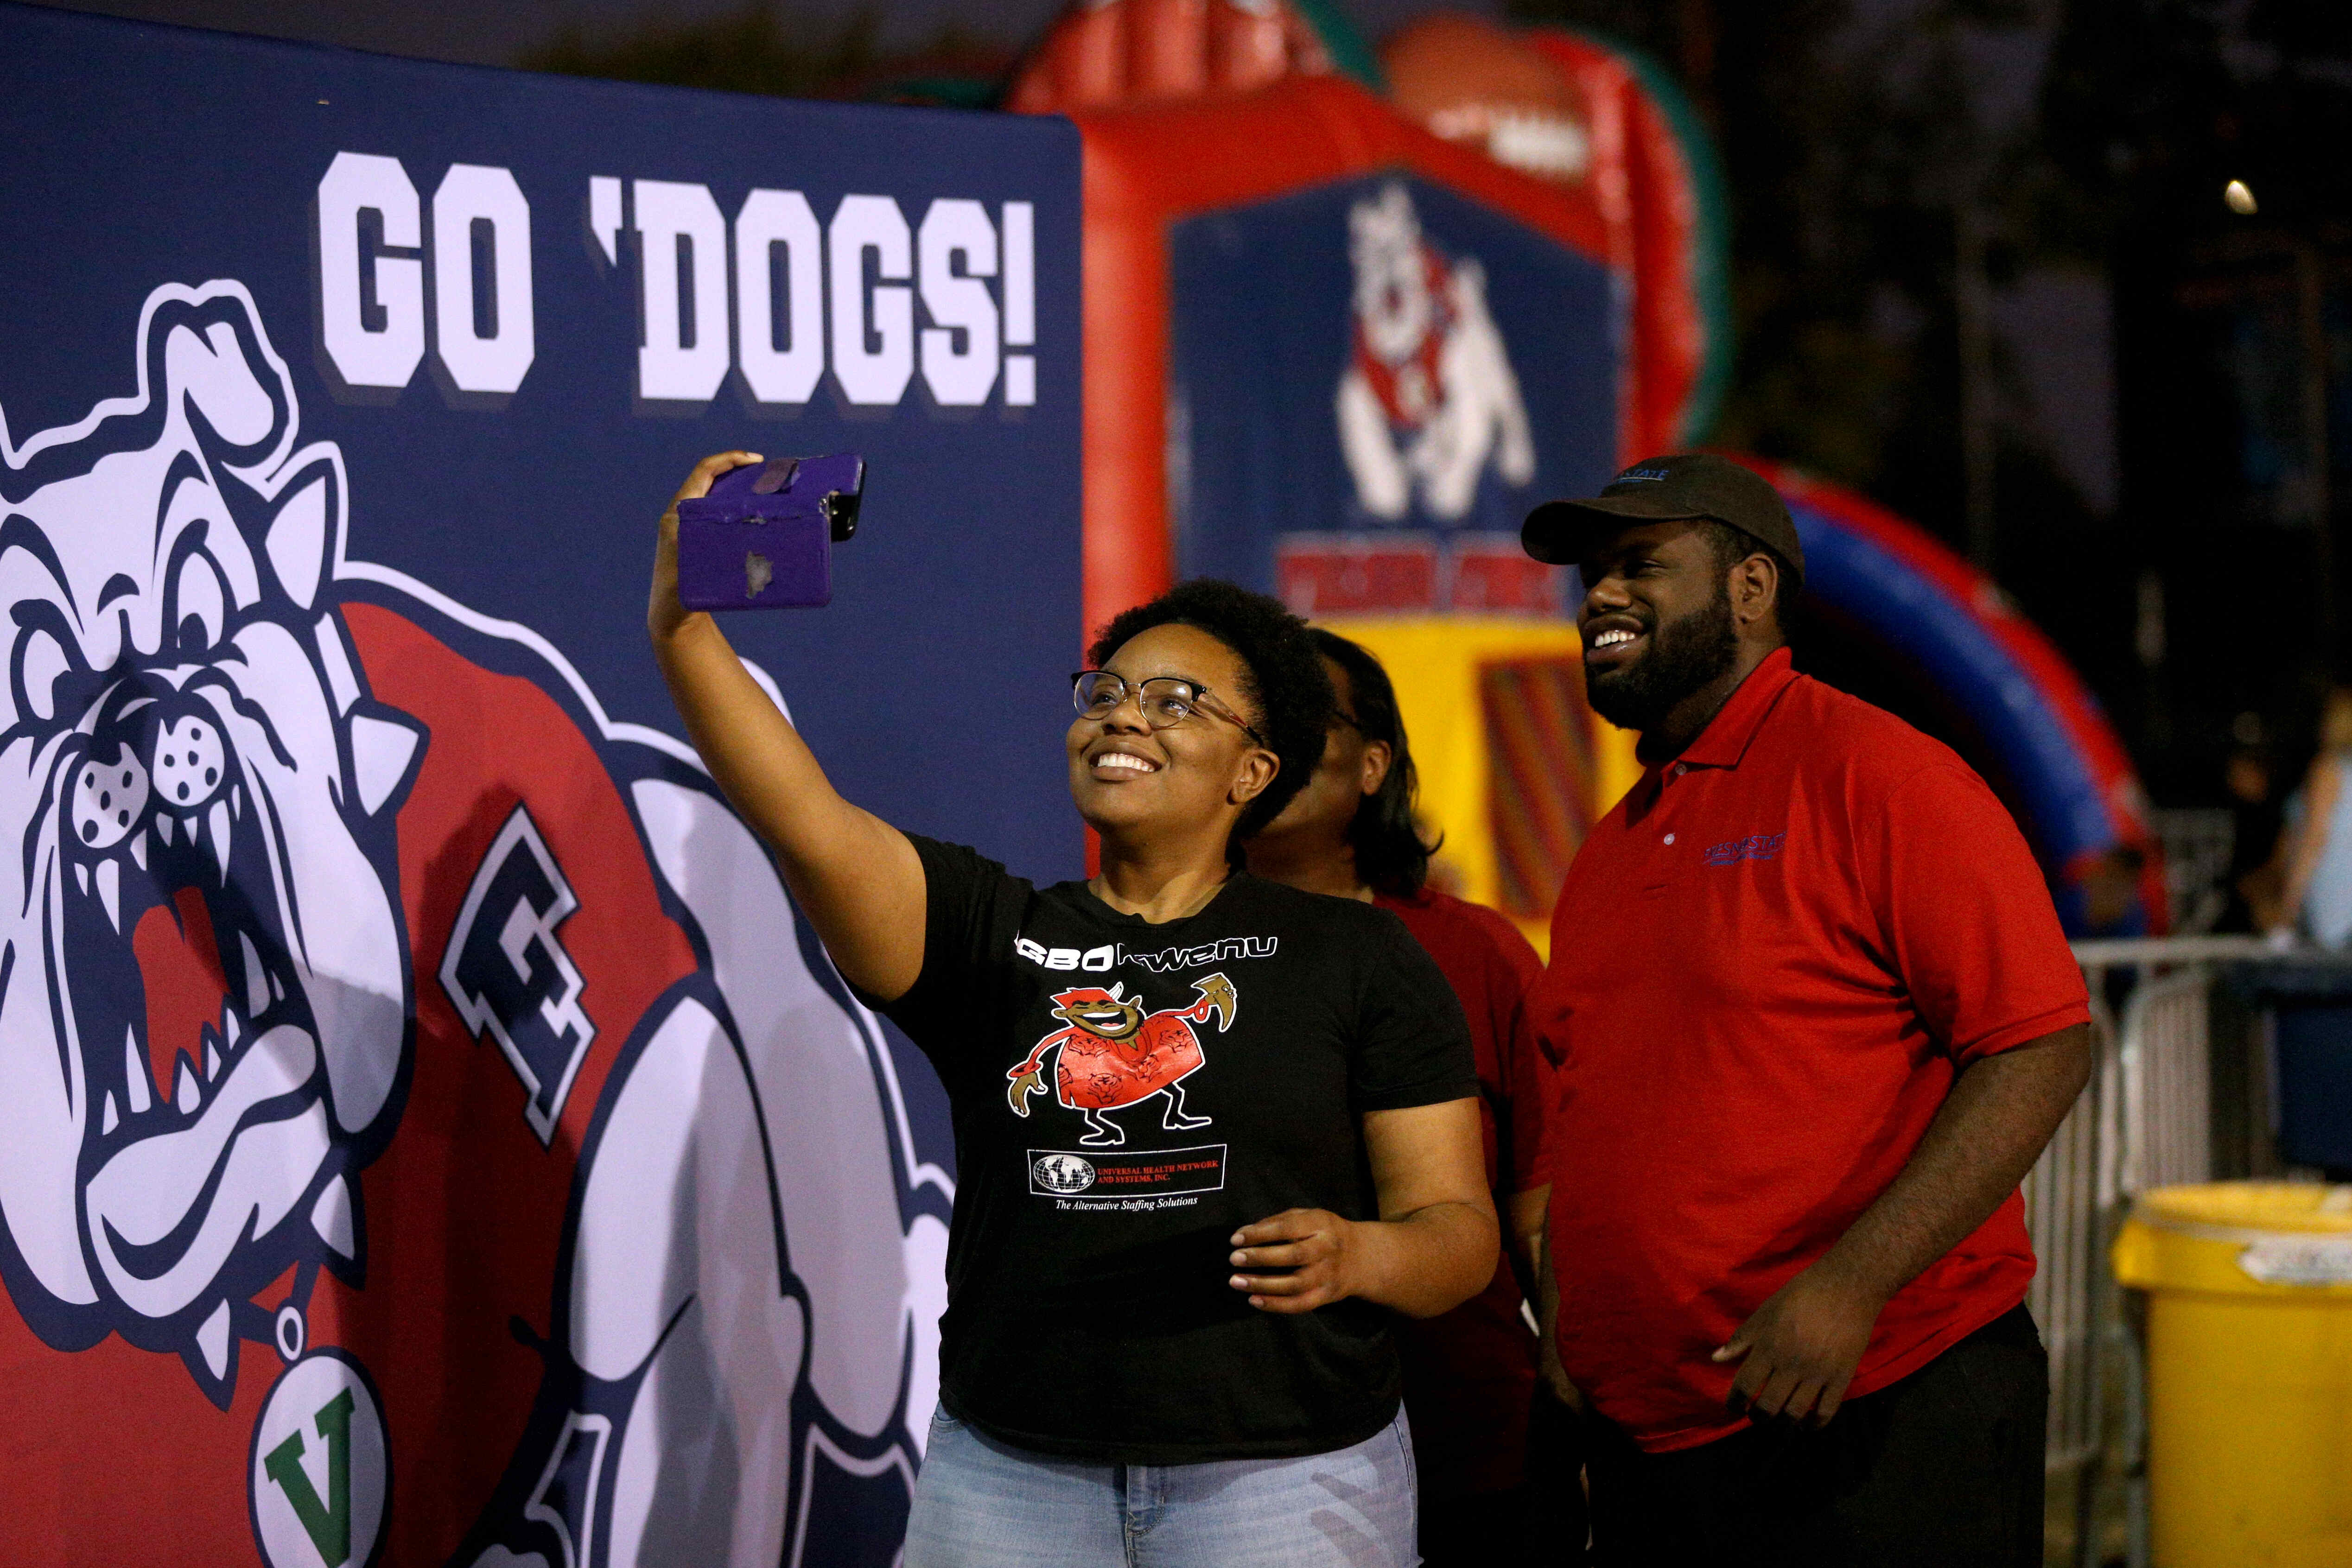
{"x":1656,"y":619}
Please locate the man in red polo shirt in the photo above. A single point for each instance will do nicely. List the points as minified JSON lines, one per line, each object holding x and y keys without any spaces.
{"x":1816,"y":1020}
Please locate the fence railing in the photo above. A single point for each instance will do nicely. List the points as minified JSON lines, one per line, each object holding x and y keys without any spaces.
{"x":2147,"y":1119}
{"x":2066,"y":1213}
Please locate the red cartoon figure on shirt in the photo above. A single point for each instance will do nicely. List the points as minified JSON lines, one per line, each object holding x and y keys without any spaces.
{"x":1114,"y":1055}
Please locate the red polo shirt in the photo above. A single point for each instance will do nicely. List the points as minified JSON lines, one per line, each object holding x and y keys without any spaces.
{"x":1769,"y":962}
{"x":1470,"y":1374}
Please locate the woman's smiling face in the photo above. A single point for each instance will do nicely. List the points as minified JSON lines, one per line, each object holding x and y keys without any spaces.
{"x":1131,"y":780}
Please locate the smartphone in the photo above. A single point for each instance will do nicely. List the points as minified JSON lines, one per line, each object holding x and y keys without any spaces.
{"x":762,"y":539}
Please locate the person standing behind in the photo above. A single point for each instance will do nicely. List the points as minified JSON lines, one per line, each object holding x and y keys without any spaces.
{"x":1816,"y":1020}
{"x":1469,"y":1374}
{"x":2319,"y":852}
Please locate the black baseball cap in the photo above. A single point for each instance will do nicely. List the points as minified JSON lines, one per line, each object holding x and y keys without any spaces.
{"x":1684,"y":487}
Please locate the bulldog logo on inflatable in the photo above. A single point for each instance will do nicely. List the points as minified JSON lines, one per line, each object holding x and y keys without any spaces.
{"x":1429,"y":399}
{"x":425,"y":1121}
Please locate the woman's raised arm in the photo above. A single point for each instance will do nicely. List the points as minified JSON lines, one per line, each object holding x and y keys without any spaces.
{"x":855,"y":876}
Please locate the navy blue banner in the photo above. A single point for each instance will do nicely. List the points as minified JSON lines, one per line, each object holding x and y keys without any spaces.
{"x":1373,"y":382}
{"x":427,"y":1132}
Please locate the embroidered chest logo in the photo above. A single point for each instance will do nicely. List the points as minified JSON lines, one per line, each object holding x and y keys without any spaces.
{"x":1754,"y":847}
{"x":1113,"y":1055}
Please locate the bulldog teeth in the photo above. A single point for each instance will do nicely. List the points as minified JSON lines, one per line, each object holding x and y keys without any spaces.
{"x":163,"y":828}
{"x":381,"y":751}
{"x":134,"y":1073}
{"x":218,"y":822}
{"x":82,"y":877}
{"x":331,"y":1216}
{"x":230,"y":1029}
{"x":139,"y":848}
{"x":111,"y":1118}
{"x":257,"y":987}
{"x":110,"y":893}
{"x":212,"y":1340}
{"x":187,"y":1093}
{"x":212,"y":1055}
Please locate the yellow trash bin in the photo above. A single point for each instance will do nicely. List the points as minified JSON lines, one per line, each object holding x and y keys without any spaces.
{"x":2249,"y":1371}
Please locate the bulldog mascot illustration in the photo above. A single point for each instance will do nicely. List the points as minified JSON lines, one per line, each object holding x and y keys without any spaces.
{"x":1429,"y":398}
{"x":426,"y":1134}
{"x":1113,"y":1055}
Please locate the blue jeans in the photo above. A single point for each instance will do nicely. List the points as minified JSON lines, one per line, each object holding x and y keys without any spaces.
{"x":980,"y":1503}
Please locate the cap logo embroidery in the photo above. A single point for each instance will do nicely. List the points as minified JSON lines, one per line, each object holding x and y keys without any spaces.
{"x":1633,"y":475}
{"x":1754,"y":847}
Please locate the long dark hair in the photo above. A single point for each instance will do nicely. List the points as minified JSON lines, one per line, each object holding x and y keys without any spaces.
{"x":1391,"y":854}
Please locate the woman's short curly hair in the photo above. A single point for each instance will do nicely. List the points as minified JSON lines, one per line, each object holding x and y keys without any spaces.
{"x":1287,"y":697}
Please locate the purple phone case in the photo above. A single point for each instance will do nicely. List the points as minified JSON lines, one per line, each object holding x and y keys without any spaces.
{"x":762,"y":538}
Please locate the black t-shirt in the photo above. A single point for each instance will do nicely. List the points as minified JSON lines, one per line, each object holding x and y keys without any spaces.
{"x":1127,"y":1095}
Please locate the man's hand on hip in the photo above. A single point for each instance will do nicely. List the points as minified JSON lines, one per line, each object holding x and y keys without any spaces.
{"x":1799,"y":1350}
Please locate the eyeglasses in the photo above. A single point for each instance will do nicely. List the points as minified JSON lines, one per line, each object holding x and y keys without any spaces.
{"x":1164,"y":701}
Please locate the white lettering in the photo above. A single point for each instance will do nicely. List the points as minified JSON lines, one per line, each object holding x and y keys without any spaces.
{"x":877,"y":375}
{"x":1020,"y":302}
{"x":1098,"y":959}
{"x":674,"y":216}
{"x":1033,"y":952}
{"x":365,"y":356}
{"x":472,"y":196}
{"x":771,"y":219}
{"x":1172,"y":958}
{"x":605,"y":216}
{"x":1062,"y":958}
{"x":958,"y":302}
{"x":395,"y":281}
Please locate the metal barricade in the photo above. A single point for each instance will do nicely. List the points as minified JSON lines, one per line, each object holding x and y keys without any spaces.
{"x":2147,"y":1119}
{"x":2166,"y":1060}
{"x":2065,"y":1209}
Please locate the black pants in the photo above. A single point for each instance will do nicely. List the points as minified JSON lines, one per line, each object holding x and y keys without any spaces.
{"x":1942,"y":1469}
{"x":1540,"y":1524}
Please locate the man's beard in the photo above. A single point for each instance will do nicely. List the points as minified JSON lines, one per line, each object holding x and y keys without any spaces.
{"x":1683,"y":656}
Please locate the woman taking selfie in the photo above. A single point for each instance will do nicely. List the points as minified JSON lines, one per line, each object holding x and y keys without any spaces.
{"x":1212,"y":1132}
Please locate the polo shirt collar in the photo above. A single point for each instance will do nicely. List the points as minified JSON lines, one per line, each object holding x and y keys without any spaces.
{"x":1725,"y":737}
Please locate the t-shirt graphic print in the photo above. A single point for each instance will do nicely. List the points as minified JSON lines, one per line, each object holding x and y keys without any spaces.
{"x":1126,"y":1096}
{"x":1113,"y":1055}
